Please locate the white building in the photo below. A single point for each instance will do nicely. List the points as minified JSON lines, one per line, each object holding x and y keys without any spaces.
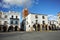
{"x":35,"y":22}
{"x":50,"y":22}
{"x":10,"y":18}
{"x":53,"y":24}
{"x":58,"y":18}
{"x":14,"y":19}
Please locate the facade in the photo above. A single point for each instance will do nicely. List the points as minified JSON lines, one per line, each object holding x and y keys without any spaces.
{"x":14,"y":19}
{"x":53,"y":24}
{"x":58,"y":18}
{"x":35,"y":22}
{"x":50,"y":22}
{"x":9,"y":19}
{"x":3,"y":20}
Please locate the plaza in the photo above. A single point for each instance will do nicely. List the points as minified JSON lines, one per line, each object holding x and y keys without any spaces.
{"x":30,"y":35}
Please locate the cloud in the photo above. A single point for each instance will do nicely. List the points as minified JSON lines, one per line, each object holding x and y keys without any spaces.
{"x":0,"y":4}
{"x":17,"y":2}
{"x":52,"y":17}
{"x":5,"y":6}
{"x":10,"y":3}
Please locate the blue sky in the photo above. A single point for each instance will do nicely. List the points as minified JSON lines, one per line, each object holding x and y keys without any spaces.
{"x":49,"y":7}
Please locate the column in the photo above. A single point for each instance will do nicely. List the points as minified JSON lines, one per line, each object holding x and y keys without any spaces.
{"x":41,"y":27}
{"x":47,"y":27}
{"x":44,"y":27}
{"x":31,"y":29}
{"x":36,"y":28}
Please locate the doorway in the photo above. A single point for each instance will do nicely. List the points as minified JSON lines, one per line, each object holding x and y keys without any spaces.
{"x":36,"y":27}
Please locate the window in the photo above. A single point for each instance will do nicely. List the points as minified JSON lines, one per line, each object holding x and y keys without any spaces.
{"x":12,"y":16}
{"x":43,"y":22}
{"x":32,"y":21}
{"x":29,"y":25}
{"x":43,"y":17}
{"x":11,"y":22}
{"x":27,"y":22}
{"x":50,"y":22}
{"x":5,"y":16}
{"x":16,"y":22}
{"x":36,"y":16}
{"x":36,"y":21}
{"x":16,"y":16}
{"x":5,"y":22}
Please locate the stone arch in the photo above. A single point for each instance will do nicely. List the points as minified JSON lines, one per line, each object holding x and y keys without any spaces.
{"x":10,"y":28}
{"x":37,"y":28}
{"x":5,"y":28}
{"x":53,"y":27}
{"x":50,"y":28}
{"x":34,"y":26}
{"x":16,"y":28}
{"x":1,"y":26}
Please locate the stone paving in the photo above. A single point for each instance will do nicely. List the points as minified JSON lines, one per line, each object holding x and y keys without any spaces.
{"x":51,"y":35}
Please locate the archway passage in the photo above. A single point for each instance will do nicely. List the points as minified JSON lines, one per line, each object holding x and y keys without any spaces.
{"x":50,"y":28}
{"x":4,"y":28}
{"x":44,"y":27}
{"x":16,"y":28}
{"x":10,"y":28}
{"x":1,"y":27}
{"x":36,"y":27}
{"x":53,"y":27}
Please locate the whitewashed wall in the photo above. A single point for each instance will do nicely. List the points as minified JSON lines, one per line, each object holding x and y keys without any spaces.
{"x":9,"y":14}
{"x":31,"y":18}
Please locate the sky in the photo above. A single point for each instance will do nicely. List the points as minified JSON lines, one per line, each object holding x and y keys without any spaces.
{"x":47,"y":7}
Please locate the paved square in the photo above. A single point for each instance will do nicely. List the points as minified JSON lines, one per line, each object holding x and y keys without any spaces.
{"x":30,"y":36}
